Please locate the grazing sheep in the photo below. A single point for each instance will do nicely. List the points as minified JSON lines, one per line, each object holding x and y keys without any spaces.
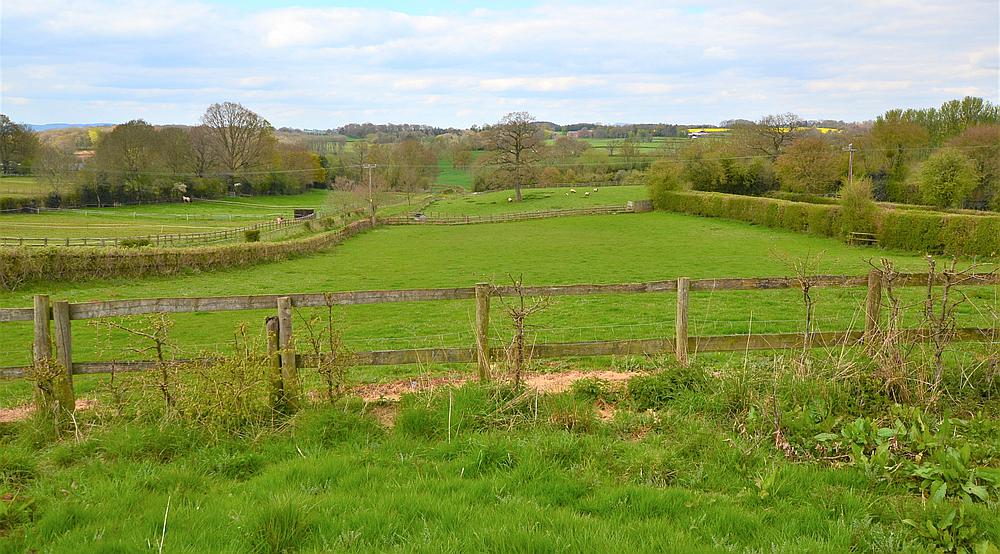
{"x":186,"y":199}
{"x":567,"y":194}
{"x":586,"y":194}
{"x":573,"y":191}
{"x":595,"y":189}
{"x":509,"y":199}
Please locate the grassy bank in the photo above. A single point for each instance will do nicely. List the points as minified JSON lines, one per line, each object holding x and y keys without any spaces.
{"x":681,"y":460}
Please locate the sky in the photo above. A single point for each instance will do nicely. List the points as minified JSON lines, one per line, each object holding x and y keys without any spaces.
{"x":316,"y":64}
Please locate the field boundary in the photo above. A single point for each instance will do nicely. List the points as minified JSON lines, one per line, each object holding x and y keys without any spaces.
{"x":62,"y":313}
{"x":436,"y":219}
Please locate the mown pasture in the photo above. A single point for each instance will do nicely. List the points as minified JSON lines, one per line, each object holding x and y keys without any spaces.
{"x":21,"y":186}
{"x":536,"y":199}
{"x":202,"y":215}
{"x":151,"y":219}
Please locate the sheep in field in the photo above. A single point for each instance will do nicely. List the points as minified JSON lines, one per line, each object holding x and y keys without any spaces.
{"x":586,"y":194}
{"x":186,"y":199}
{"x":509,"y":199}
{"x":572,"y":191}
{"x":595,"y":189}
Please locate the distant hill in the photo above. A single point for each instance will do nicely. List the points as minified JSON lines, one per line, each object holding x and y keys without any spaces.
{"x":51,"y":126}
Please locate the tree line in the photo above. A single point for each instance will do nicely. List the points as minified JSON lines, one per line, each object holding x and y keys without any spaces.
{"x":945,"y":157}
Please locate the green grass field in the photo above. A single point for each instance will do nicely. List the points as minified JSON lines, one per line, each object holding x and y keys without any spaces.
{"x":147,"y":219}
{"x":681,"y":460}
{"x":603,"y":249}
{"x":21,"y":186}
{"x":536,"y":199}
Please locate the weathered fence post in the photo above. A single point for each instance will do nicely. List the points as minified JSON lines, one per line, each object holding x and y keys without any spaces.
{"x":273,"y":361}
{"x":681,"y":325}
{"x":46,"y":398}
{"x":42,"y":345}
{"x":873,"y":304}
{"x":289,"y":373}
{"x":482,"y":329}
{"x":64,"y":352}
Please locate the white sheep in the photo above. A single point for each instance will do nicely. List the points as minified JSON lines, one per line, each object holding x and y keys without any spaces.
{"x":586,"y":194}
{"x":573,"y":191}
{"x":595,"y":189}
{"x":509,"y":199}
{"x":186,"y":199}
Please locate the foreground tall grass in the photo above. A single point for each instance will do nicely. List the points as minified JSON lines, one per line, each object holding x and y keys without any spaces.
{"x":750,"y":455}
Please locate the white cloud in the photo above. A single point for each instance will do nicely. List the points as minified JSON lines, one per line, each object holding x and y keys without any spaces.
{"x":630,"y":61}
{"x":539,"y":84}
{"x":719,"y":53}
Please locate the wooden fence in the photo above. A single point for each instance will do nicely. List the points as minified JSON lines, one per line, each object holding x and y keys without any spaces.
{"x":681,"y":345}
{"x":171,"y":239}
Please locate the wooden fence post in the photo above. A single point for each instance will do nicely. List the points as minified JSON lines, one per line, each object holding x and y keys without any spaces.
{"x":273,"y":362}
{"x":289,"y":373}
{"x":483,"y":329}
{"x":873,"y":304}
{"x":45,"y":399}
{"x":681,"y":325}
{"x":64,"y":352}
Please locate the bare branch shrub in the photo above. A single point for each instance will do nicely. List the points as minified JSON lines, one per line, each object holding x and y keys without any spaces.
{"x":519,"y":311}
{"x":333,"y":358}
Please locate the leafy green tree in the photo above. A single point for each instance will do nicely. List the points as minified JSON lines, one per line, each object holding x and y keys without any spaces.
{"x":947,"y":178}
{"x":981,"y":144}
{"x":810,"y":164}
{"x":18,"y":146}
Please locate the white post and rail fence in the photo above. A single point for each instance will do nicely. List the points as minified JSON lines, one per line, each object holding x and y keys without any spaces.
{"x":285,"y":362}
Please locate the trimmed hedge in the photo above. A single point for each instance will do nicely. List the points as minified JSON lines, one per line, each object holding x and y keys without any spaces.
{"x":22,"y":265}
{"x":917,"y":231}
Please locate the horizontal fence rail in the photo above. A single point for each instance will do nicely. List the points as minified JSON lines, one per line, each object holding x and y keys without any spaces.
{"x":681,"y":344}
{"x":184,"y":304}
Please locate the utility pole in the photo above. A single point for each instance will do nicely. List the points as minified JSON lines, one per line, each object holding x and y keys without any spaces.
{"x":850,"y":164}
{"x":371,"y":197}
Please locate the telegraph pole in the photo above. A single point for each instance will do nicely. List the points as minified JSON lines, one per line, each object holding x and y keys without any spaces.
{"x":850,"y":164}
{"x":371,"y":197}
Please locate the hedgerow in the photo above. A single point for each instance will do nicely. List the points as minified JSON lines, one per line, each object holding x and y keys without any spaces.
{"x":917,"y":231}
{"x":21,"y":265}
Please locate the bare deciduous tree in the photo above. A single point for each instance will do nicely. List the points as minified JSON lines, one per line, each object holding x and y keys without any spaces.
{"x":769,"y":135}
{"x":241,"y":137}
{"x":516,"y":142}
